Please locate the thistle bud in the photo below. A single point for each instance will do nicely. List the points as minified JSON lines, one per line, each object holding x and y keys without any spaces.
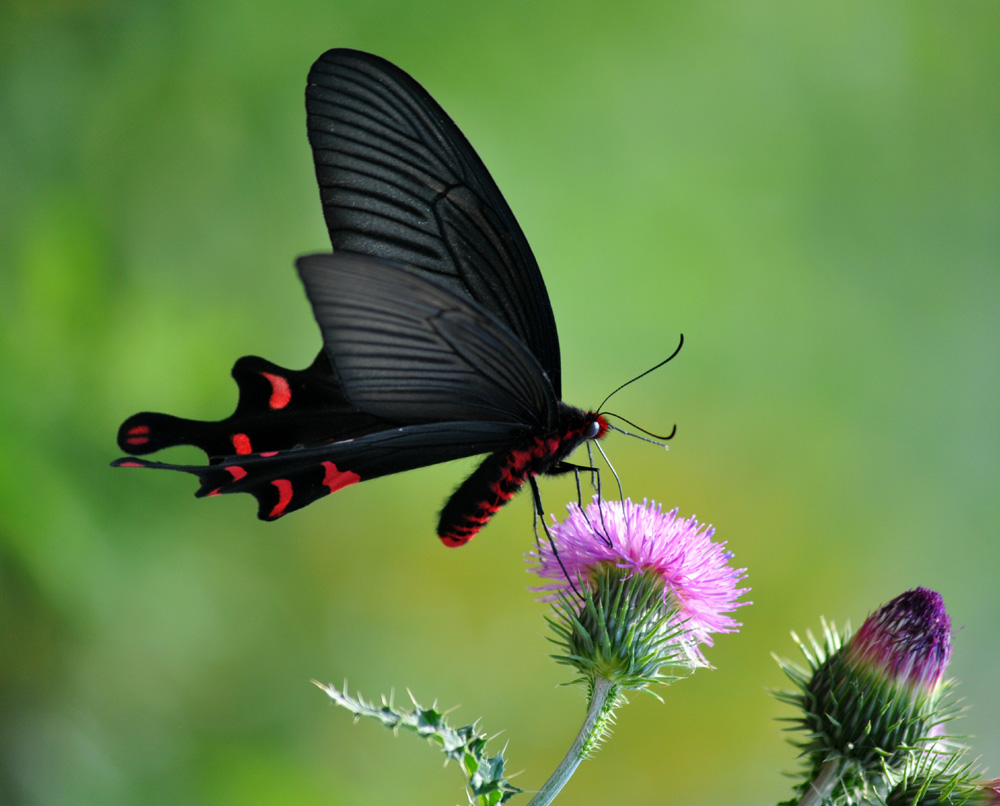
{"x":906,"y":644}
{"x":872,"y":702}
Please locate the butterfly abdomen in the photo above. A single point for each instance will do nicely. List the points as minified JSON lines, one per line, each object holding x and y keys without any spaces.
{"x":479,"y":497}
{"x":502,"y":474}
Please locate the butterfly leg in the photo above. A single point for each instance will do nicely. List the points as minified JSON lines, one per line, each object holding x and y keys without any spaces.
{"x":618,"y":481}
{"x":595,"y":480}
{"x":595,"y":473}
{"x":540,"y":516}
{"x":561,"y":468}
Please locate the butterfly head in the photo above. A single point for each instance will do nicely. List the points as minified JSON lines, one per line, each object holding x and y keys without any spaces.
{"x":596,"y":426}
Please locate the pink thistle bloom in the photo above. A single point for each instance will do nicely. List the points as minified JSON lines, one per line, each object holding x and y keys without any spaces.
{"x":698,"y":582}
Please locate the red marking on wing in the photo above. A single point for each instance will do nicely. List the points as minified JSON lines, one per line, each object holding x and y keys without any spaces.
{"x":339,"y":479}
{"x":214,"y":492}
{"x":138,"y":435}
{"x":284,"y":497}
{"x":241,"y":442}
{"x":281,"y":394}
{"x":269,"y":453}
{"x":237,"y":472}
{"x":130,"y":464}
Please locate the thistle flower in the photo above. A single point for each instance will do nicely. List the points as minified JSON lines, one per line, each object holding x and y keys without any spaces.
{"x":877,"y":696}
{"x":636,"y":589}
{"x":907,"y":643}
{"x":873,"y":700}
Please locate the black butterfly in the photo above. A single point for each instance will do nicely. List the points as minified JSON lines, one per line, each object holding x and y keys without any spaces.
{"x":438,"y":337}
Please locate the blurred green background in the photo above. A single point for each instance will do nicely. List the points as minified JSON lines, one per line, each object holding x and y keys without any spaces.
{"x":809,"y":192}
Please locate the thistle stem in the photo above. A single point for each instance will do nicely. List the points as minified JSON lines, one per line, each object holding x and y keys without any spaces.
{"x":601,"y":702}
{"x":821,"y":787}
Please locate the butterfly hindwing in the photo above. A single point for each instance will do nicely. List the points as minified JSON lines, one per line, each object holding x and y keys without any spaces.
{"x":408,"y":350}
{"x":399,"y":181}
{"x":283,"y":481}
{"x":278,"y":408}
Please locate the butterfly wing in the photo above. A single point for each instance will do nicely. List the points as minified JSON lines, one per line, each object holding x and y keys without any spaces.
{"x":278,"y":409}
{"x":419,"y":375}
{"x":283,"y":481}
{"x":408,"y":350}
{"x":455,"y":355}
{"x":399,"y":181}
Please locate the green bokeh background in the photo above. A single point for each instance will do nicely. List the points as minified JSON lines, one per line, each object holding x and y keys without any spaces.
{"x":810,"y":192}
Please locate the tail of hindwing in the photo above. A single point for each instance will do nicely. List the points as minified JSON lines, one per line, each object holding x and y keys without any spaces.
{"x":281,"y":483}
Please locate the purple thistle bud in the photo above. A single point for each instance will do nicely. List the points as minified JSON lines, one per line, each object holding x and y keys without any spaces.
{"x":987,"y":794}
{"x":695,"y":582}
{"x":875,"y":699}
{"x":907,"y":641}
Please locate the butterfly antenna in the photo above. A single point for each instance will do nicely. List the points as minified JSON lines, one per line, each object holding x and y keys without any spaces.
{"x":657,"y":439}
{"x":644,"y":374}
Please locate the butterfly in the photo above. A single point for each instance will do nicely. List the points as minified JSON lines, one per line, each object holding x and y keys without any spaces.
{"x":439,"y":340}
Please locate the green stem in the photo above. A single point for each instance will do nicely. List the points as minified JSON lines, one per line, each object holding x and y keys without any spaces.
{"x":821,"y":787}
{"x":596,"y":714}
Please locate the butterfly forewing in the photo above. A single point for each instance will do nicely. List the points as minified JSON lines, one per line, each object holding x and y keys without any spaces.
{"x":408,"y":350}
{"x":399,"y":181}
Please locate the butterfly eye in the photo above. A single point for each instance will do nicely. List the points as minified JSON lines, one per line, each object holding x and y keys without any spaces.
{"x":592,"y":430}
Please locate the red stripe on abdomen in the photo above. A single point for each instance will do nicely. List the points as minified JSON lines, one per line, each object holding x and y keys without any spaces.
{"x":491,"y":486}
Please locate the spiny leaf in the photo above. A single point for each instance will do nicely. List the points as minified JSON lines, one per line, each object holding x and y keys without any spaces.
{"x":484,"y":774}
